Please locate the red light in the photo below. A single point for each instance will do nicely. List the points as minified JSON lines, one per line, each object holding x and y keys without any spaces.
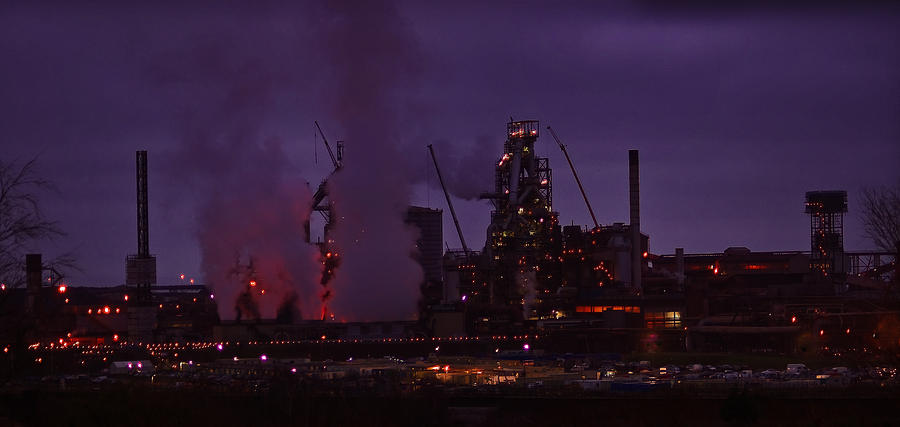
{"x":253,"y":283}
{"x":89,"y":311}
{"x":847,"y":331}
{"x":117,"y":310}
{"x":821,"y":332}
{"x":106,"y":310}
{"x":126,"y":297}
{"x":646,"y":254}
{"x":793,"y":319}
{"x":61,"y":289}
{"x":116,"y":337}
{"x":181,"y":276}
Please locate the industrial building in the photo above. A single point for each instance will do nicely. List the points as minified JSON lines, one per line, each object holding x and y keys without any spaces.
{"x":596,"y":288}
{"x":601,"y":289}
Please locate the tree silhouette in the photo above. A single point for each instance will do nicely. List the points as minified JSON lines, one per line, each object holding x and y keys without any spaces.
{"x":21,"y":220}
{"x":881,"y":216}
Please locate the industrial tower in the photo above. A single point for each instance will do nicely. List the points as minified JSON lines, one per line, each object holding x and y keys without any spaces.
{"x":140,"y":269}
{"x":524,"y":235}
{"x":826,"y":228}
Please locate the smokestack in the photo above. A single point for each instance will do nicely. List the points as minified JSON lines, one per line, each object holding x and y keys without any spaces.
{"x":143,"y":224}
{"x":635,"y":209}
{"x":33,"y":272}
{"x":140,"y":269}
{"x":679,"y":262}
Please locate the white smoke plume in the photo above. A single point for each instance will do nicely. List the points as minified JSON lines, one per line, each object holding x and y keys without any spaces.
{"x":250,"y":203}
{"x":374,"y":57}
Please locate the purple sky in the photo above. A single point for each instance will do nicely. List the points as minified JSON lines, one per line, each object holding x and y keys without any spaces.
{"x":737,"y":111}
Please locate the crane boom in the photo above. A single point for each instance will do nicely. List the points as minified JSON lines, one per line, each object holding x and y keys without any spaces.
{"x":334,"y":160}
{"x":449,"y":203}
{"x":578,"y":181}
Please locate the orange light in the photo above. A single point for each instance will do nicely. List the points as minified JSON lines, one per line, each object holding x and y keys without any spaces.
{"x":323,"y":337}
{"x":646,"y":254}
{"x":61,"y":289}
{"x":328,"y":255}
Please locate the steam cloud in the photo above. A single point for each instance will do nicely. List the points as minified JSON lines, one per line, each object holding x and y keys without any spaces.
{"x":250,"y":203}
{"x":373,"y":53}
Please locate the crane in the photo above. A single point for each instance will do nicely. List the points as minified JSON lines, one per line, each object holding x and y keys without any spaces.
{"x":580,"y":187}
{"x":334,"y":160}
{"x":322,"y":190}
{"x":449,"y":203}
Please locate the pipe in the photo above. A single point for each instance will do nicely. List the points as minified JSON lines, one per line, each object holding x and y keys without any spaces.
{"x":679,"y":262}
{"x":635,"y":211}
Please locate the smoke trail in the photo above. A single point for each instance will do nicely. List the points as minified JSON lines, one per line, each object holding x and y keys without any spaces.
{"x":250,"y":227}
{"x":374,"y":56}
{"x":525,"y":282}
{"x":250,"y":203}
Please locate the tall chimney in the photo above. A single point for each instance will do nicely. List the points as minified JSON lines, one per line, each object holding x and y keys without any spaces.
{"x":33,"y":273}
{"x":634,"y":193}
{"x":140,"y":269}
{"x":143,"y":224}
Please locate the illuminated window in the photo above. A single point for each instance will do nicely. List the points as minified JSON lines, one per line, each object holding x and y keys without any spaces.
{"x":663,"y":319}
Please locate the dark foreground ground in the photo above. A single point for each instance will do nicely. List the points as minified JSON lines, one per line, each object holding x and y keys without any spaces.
{"x":147,"y":407}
